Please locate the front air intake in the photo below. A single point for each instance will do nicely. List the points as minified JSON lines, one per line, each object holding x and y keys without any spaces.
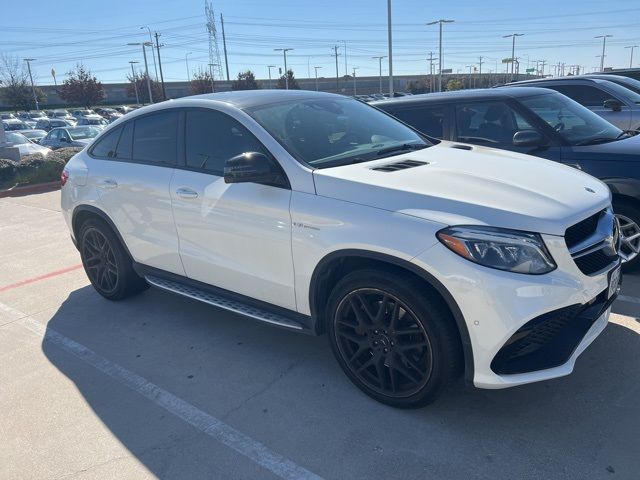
{"x":394,"y":167}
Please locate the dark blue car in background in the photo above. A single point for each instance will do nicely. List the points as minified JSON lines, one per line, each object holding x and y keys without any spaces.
{"x":543,"y":123}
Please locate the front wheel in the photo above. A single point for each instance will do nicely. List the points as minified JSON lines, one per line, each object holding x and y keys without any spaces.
{"x":393,"y":341}
{"x":628,"y":216}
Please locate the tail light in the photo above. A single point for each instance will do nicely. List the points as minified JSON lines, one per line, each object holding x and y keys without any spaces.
{"x":64,"y":176}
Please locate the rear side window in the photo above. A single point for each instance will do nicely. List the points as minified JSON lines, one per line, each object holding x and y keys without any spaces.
{"x":106,"y":147}
{"x":213,"y":137}
{"x":584,"y":94}
{"x":427,"y":120}
{"x":155,"y":138}
{"x":488,"y":123}
{"x":125,"y":145}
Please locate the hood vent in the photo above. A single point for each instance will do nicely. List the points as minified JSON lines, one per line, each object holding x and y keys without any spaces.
{"x":462,"y":147}
{"x":394,"y":167}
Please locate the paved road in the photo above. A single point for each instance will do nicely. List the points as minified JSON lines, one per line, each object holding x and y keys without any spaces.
{"x":160,"y":386}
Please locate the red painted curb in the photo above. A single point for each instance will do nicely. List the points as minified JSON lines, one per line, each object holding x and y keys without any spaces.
{"x":41,"y":277}
{"x":30,"y":189}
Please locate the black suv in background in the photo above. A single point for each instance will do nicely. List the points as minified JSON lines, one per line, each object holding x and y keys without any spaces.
{"x":537,"y":122}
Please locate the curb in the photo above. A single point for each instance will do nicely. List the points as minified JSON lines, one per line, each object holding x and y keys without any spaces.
{"x":30,"y":189}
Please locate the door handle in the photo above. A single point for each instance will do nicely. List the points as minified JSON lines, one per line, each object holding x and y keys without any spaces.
{"x":184,"y":192}
{"x":108,"y":183}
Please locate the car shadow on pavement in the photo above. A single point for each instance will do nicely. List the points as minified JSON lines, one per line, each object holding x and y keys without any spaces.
{"x":286,"y":391}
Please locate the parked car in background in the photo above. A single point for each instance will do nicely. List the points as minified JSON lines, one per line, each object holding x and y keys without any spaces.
{"x":627,"y":82}
{"x":108,"y":113}
{"x":612,"y":101}
{"x":14,"y":124}
{"x":77,"y":114}
{"x":25,"y":146}
{"x":7,"y":116}
{"x":49,"y":123}
{"x":34,"y":135}
{"x":124,"y":109}
{"x":95,"y":120}
{"x":62,"y":114}
{"x":318,"y":213}
{"x":70,"y":137}
{"x":543,"y":123}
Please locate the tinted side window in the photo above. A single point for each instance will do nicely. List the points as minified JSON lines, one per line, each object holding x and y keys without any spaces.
{"x":427,"y":120}
{"x":155,"y":138}
{"x":106,"y":146}
{"x":123,"y":151}
{"x":583,"y":94}
{"x":213,"y":137}
{"x":488,"y":122}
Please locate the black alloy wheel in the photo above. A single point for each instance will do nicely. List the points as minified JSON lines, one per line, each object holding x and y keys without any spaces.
{"x":99,"y":261}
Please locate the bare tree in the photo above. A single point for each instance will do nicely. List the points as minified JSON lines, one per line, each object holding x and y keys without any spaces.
{"x":15,"y":88}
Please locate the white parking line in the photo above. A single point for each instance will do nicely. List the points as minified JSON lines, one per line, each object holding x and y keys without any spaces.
{"x":215,"y":428}
{"x":625,"y":298}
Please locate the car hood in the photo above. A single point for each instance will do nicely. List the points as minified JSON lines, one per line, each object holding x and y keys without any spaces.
{"x":464,"y":184}
{"x":626,"y":149}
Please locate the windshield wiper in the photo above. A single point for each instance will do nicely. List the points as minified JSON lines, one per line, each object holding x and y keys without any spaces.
{"x":402,"y":147}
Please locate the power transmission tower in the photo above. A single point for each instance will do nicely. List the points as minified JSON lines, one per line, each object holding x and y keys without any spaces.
{"x":214,"y":50}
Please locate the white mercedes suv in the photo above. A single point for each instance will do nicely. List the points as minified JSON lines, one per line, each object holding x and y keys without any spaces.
{"x":420,"y":259}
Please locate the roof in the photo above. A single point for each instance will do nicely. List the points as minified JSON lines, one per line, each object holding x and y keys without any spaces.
{"x":569,"y":78}
{"x":251,"y":98}
{"x":472,"y":94}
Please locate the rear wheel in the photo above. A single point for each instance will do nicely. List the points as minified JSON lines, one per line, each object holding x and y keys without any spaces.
{"x":394,"y":342}
{"x":628,"y":216}
{"x":106,"y":262}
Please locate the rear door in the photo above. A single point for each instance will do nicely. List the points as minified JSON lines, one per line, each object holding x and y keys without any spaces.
{"x":132,"y":169}
{"x":233,"y":236}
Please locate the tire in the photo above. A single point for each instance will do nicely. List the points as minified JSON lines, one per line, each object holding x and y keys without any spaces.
{"x":400,"y":356}
{"x":106,"y":262}
{"x":628,"y":215}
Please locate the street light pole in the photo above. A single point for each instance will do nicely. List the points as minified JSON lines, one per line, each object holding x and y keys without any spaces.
{"x":186,"y":60}
{"x":211,"y":65}
{"x":513,"y":50}
{"x":346,"y":72}
{"x":155,"y":67}
{"x":604,"y":44}
{"x":390,"y":47}
{"x":380,"y":57}
{"x":316,"y":69}
{"x":354,"y":79}
{"x":631,"y":47}
{"x":33,"y":88}
{"x":440,"y":22}
{"x":286,"y":71}
{"x":270,"y":67}
{"x":135,"y":83}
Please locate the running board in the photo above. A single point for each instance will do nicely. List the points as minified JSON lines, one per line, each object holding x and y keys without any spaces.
{"x":223,"y":302}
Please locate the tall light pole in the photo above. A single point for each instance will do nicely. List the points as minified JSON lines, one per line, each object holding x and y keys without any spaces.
{"x":146,"y":65}
{"x":631,"y":47}
{"x":270,"y":67}
{"x":155,"y":67}
{"x":286,"y":71}
{"x":316,"y":69}
{"x":604,"y":44}
{"x":211,"y":65}
{"x":470,"y":67}
{"x":513,"y":50}
{"x":431,"y":60}
{"x":354,"y":79}
{"x":186,"y":60}
{"x":135,"y":83}
{"x":380,"y":57}
{"x":344,"y":42}
{"x":33,"y":88}
{"x":440,"y":22}
{"x":390,"y":47}
{"x":335,"y":52}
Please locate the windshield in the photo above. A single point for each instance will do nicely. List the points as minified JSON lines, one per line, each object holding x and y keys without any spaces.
{"x":574,"y":123}
{"x":34,"y":133}
{"x":16,"y":138}
{"x":329,"y":132}
{"x":15,"y":126}
{"x":82,"y":133}
{"x":623,"y":92}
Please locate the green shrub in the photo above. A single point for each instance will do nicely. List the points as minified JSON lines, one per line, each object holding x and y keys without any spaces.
{"x":35,"y":168}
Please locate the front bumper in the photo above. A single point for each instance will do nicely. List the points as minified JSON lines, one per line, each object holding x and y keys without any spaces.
{"x":497,"y":304}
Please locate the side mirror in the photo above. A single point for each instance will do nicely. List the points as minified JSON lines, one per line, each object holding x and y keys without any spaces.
{"x":251,"y":167}
{"x":64,"y":139}
{"x":528,"y":138}
{"x":612,"y":104}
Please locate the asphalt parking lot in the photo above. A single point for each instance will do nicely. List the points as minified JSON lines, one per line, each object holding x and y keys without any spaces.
{"x":162,"y":386}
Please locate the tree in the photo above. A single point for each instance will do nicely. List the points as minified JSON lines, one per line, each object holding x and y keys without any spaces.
{"x":15,"y":88}
{"x":293,"y":83}
{"x":81,"y":88}
{"x":454,"y":84}
{"x":201,"y":82}
{"x":245,"y":81}
{"x":139,"y":80}
{"x":419,"y":86}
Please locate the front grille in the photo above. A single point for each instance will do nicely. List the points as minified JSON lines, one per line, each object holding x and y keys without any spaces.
{"x":582,"y":230}
{"x":549,"y":340}
{"x":594,"y":242}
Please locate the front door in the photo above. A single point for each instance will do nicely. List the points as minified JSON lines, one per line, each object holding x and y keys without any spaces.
{"x":232,"y":236}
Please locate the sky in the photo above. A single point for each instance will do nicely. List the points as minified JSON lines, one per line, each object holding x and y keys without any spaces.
{"x":63,"y":33}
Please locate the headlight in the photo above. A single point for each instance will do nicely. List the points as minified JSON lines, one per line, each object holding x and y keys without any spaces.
{"x":511,"y":250}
